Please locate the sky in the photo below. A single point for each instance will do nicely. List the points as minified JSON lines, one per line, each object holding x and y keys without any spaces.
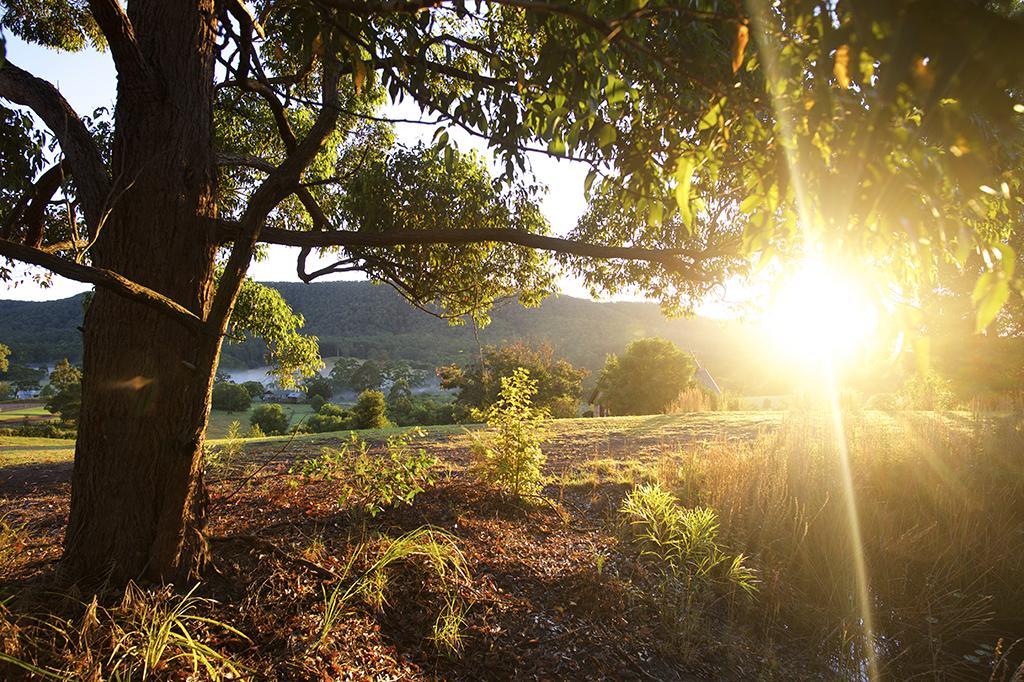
{"x":87,"y":80}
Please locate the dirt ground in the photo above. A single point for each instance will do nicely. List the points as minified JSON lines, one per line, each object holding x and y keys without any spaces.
{"x":552,"y":595}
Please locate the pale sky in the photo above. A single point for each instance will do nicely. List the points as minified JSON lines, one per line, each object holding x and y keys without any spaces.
{"x":87,"y":80}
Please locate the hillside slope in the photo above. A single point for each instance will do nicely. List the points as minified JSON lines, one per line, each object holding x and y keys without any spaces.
{"x":362,"y":320}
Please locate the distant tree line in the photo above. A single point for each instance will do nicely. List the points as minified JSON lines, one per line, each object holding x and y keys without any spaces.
{"x":559,"y":382}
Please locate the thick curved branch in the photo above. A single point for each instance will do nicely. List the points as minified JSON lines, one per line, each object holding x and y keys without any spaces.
{"x":103,"y":278}
{"x":34,"y":217}
{"x":279,"y":183}
{"x":131,"y":66}
{"x":669,"y":258}
{"x":80,"y":151}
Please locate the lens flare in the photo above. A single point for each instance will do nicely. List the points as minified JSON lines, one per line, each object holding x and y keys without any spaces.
{"x":820,"y":314}
{"x":819,"y":322}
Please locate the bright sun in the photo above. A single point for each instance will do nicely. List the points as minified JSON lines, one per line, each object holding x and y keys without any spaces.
{"x":819,"y":314}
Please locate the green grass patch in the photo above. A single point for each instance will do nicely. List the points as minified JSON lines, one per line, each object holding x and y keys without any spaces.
{"x":15,"y":450}
{"x":221,"y":420}
{"x":20,"y":413}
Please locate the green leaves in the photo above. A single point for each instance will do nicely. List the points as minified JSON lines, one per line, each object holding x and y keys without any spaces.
{"x":992,"y":289}
{"x":684,"y":176}
{"x":262,"y":312}
{"x":427,"y":189}
{"x":508,"y":455}
{"x":606,"y":135}
{"x":57,"y":24}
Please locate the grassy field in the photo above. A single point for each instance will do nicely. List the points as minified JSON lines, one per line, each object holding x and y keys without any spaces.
{"x":890,"y":548}
{"x":18,"y":413}
{"x":221,"y":420}
{"x":15,"y":450}
{"x":658,"y":431}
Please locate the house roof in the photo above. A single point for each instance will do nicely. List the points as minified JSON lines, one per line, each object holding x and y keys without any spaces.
{"x":707,"y":381}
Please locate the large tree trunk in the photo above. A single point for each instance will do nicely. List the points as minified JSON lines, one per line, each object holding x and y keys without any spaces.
{"x":137,"y":498}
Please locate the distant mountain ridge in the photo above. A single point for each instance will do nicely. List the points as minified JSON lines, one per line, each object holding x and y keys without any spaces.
{"x":364,"y":320}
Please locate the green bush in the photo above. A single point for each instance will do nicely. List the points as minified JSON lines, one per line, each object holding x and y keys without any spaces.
{"x":332,"y":410}
{"x":406,"y":409}
{"x":370,"y":411}
{"x":255,"y":389}
{"x":325,"y":423}
{"x":508,"y":455}
{"x":271,"y":419}
{"x":330,"y":417}
{"x":39,"y":430}
{"x":681,"y":542}
{"x":647,"y":378}
{"x":565,"y":407}
{"x":230,"y":397}
{"x":316,"y":402}
{"x":66,"y":397}
{"x":370,"y":482}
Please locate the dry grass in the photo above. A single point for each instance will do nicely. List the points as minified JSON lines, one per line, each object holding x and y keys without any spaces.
{"x":147,"y":634}
{"x":940,"y":506}
{"x":941,"y":514}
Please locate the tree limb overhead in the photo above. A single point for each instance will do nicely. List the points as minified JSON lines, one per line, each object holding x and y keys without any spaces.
{"x":103,"y":278}
{"x":83,"y":157}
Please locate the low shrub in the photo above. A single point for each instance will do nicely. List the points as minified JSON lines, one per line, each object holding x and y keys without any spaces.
{"x":40,"y":430}
{"x":271,"y":419}
{"x":325,"y":423}
{"x":508,"y":454}
{"x":370,"y":411}
{"x":565,"y":407}
{"x":330,"y":417}
{"x":372,"y":483}
{"x":692,"y":573}
{"x":230,"y":397}
{"x":229,"y":450}
{"x":421,"y":410}
{"x":682,"y":542}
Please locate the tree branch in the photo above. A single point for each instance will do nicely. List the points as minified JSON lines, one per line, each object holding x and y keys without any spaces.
{"x":80,"y":151}
{"x":280,"y":182}
{"x":103,"y":278}
{"x":34,"y":217}
{"x":350,"y":238}
{"x":131,"y":66}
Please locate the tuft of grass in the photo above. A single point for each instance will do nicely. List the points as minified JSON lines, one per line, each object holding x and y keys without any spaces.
{"x":149,"y":634}
{"x":157,"y":628}
{"x":12,"y":541}
{"x":682,"y":542}
{"x":437,"y":550}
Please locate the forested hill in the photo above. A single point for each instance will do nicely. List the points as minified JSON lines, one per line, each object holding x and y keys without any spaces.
{"x":362,"y":320}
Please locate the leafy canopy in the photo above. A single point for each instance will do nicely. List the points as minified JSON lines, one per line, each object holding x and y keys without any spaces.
{"x":646,"y":379}
{"x":885,"y":131}
{"x":559,"y":383}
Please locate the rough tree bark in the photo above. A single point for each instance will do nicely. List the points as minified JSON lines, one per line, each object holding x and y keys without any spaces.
{"x":137,"y":502}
